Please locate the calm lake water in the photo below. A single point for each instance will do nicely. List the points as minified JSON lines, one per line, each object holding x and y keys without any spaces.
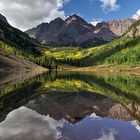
{"x":70,"y":106}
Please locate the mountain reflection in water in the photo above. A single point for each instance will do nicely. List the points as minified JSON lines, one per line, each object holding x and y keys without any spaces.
{"x":71,"y":106}
{"x":27,"y":124}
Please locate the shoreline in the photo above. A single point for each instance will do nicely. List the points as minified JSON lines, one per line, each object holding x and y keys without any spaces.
{"x":131,"y":69}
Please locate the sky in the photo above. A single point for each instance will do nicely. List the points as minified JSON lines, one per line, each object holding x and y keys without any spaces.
{"x":25,"y":14}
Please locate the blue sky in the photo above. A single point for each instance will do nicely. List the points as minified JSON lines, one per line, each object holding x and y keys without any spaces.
{"x":91,"y":9}
{"x":25,"y":14}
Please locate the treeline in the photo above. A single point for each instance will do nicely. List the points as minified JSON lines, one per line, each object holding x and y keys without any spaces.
{"x":47,"y":62}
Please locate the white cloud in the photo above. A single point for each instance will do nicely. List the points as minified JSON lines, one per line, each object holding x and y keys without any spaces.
{"x":109,"y":5}
{"x":95,"y":21}
{"x":26,"y":14}
{"x":136,"y":16}
{"x":136,"y":125}
{"x":28,"y":124}
{"x":108,"y":136}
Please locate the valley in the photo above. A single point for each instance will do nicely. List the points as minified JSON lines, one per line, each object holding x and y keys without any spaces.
{"x":121,"y":54}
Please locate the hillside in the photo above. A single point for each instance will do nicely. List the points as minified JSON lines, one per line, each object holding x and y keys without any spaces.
{"x":17,"y":38}
{"x":125,"y":50}
{"x":14,"y":42}
{"x":11,"y":63}
{"x":75,"y":31}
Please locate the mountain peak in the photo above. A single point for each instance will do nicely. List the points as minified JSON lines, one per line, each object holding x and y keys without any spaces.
{"x":3,"y":18}
{"x":75,"y":19}
{"x":74,"y":15}
{"x":57,"y":20}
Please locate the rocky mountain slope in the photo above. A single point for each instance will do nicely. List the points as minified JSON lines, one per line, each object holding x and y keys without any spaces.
{"x":118,"y":27}
{"x":75,"y":31}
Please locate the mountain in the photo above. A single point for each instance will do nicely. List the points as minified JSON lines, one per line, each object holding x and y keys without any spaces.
{"x":16,"y":47}
{"x":3,"y":19}
{"x":118,"y":27}
{"x":14,"y":64}
{"x":16,"y":37}
{"x":123,"y":50}
{"x":75,"y":31}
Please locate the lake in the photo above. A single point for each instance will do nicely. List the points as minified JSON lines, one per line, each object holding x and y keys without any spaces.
{"x":70,"y":106}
